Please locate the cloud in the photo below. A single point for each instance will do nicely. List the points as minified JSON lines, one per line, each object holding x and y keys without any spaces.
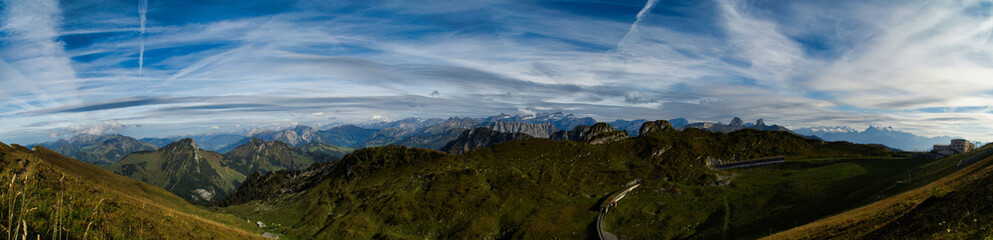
{"x":96,"y":129}
{"x":771,"y":55}
{"x":30,"y":45}
{"x":142,"y":10}
{"x":214,"y":127}
{"x":649,"y":5}
{"x":794,"y":63}
{"x":379,"y":118}
{"x":112,"y":104}
{"x":527,"y":111}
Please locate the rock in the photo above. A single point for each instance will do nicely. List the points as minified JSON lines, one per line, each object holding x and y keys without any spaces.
{"x":736,"y":122}
{"x":542,"y":130}
{"x":480,"y":137}
{"x":599,"y":133}
{"x":657,"y":125}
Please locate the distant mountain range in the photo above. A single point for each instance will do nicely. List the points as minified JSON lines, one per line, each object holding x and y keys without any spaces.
{"x":102,"y":149}
{"x":875,"y":135}
{"x":735,"y":125}
{"x":436,"y":133}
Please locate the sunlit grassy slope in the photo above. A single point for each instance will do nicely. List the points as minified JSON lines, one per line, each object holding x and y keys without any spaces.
{"x":957,"y":205}
{"x":45,"y":195}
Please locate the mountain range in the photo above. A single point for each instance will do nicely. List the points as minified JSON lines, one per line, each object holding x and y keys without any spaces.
{"x":98,"y":149}
{"x":876,"y":135}
{"x":530,"y":188}
{"x":436,"y":133}
{"x":202,"y":176}
{"x":735,"y":125}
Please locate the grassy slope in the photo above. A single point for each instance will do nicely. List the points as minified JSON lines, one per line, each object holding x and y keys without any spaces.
{"x":769,"y":198}
{"x":145,"y":167}
{"x":82,"y":199}
{"x":954,"y":206}
{"x":324,"y":152}
{"x":535,"y":188}
{"x":258,"y":155}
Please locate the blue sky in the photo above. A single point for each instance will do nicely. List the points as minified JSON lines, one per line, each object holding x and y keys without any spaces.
{"x":161,"y":68}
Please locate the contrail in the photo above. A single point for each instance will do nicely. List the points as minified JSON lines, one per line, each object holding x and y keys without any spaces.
{"x":142,"y":9}
{"x":634,"y":26}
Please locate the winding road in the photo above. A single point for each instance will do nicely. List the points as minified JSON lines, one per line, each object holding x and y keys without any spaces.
{"x":605,"y":206}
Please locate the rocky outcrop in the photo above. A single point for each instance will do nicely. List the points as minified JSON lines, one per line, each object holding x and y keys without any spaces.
{"x":736,"y":122}
{"x":296,"y":136}
{"x":599,"y":133}
{"x":653,"y":126}
{"x":480,"y":137}
{"x":559,"y":120}
{"x":541,"y":130}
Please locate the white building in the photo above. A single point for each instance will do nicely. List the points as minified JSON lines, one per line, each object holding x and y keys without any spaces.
{"x":957,"y":146}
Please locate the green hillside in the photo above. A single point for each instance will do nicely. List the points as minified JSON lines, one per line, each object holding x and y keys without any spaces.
{"x":181,"y":168}
{"x":950,"y":202}
{"x":323,"y":152}
{"x":535,"y":188}
{"x":258,"y":155}
{"x":48,"y":196}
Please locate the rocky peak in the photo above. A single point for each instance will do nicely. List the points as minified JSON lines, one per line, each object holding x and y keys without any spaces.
{"x":480,"y":137}
{"x":657,"y":125}
{"x":760,"y":122}
{"x":542,"y":130}
{"x":736,"y":122}
{"x":301,"y":128}
{"x":186,"y":144}
{"x":599,"y":133}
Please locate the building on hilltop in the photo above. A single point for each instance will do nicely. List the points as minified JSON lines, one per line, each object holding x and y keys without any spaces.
{"x":957,"y":146}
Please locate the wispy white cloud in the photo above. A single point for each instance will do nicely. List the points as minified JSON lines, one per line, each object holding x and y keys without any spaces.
{"x":30,"y":28}
{"x":854,"y":63}
{"x":96,"y":129}
{"x":649,"y":5}
{"x":773,"y":57}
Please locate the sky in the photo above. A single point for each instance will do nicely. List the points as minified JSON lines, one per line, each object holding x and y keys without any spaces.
{"x":163,"y":68}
